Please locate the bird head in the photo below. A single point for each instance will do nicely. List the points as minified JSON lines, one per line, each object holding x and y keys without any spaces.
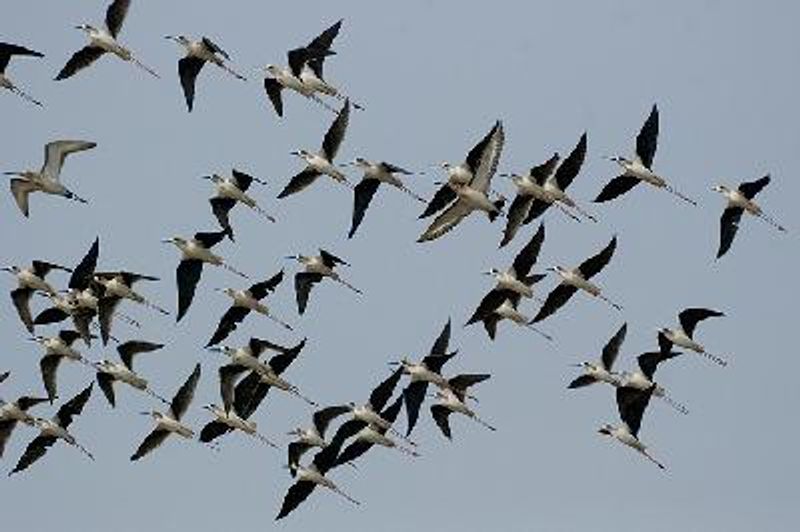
{"x":720,"y":188}
{"x":300,"y":153}
{"x":605,"y":430}
{"x":85,"y":27}
{"x":176,"y":240}
{"x":273,"y":70}
{"x":11,"y":269}
{"x":180,"y":39}
{"x":491,"y":272}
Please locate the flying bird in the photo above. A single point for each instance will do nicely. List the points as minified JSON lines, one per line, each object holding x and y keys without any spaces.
{"x":198,"y":53}
{"x":576,"y":279}
{"x":683,"y":335}
{"x":314,"y":436}
{"x":229,"y":192}
{"x":29,"y":281}
{"x":7,"y":51}
{"x":602,"y":370}
{"x":52,"y":430}
{"x":245,"y":301}
{"x":13,"y":413}
{"x":109,"y":372}
{"x":374,"y":175}
{"x":316,"y":268}
{"x":631,"y":403}
{"x":117,"y":286}
{"x":101,"y":41}
{"x":640,"y":168}
{"x":453,"y":399}
{"x":230,"y":420}
{"x":170,"y":422}
{"x":321,"y":163}
{"x":474,"y":195}
{"x":56,"y":349}
{"x":47,"y":180}
{"x":739,"y":201}
{"x":194,"y":253}
{"x":642,"y":378}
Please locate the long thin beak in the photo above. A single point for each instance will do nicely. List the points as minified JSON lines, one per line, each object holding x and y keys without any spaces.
{"x":12,"y":173}
{"x":290,"y":257}
{"x":576,"y":365}
{"x":214,"y":349}
{"x":144,"y":413}
{"x":166,"y":241}
{"x":393,"y":363}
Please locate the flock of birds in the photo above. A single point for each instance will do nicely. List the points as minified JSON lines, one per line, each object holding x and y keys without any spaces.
{"x":92,"y":297}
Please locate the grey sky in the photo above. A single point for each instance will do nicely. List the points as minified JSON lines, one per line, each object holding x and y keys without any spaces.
{"x":433,"y":76}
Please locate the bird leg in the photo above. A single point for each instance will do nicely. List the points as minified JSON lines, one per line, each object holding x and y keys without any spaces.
{"x":83,"y":449}
{"x":294,"y":391}
{"x":409,"y":452}
{"x":280,"y":322}
{"x":400,"y":435}
{"x":674,"y":404}
{"x":345,"y":283}
{"x":321,"y":102}
{"x":232,"y":72}
{"x":714,"y":358}
{"x":263,"y":213}
{"x":482,"y":422}
{"x":144,"y":67}
{"x":25,"y":96}
{"x":155,"y":307}
{"x":565,"y":211}
{"x":153,"y":394}
{"x":345,"y":495}
{"x":674,"y":192}
{"x":127,"y":319}
{"x":584,"y":213}
{"x":607,"y":300}
{"x":234,"y":270}
{"x":546,"y":336}
{"x":656,"y":462}
{"x":771,"y":222}
{"x":264,"y":439}
{"x":412,"y":194}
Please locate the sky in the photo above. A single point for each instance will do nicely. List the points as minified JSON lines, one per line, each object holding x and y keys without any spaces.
{"x":433,"y":76}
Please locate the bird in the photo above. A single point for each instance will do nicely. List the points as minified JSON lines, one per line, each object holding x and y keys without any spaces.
{"x":117,"y":286}
{"x":642,"y":378}
{"x":544,"y":186}
{"x":631,"y":404}
{"x":101,"y":41}
{"x":229,"y":192}
{"x":245,"y":301}
{"x":47,"y":180}
{"x":52,"y":430}
{"x":15,"y":412}
{"x":426,"y":371}
{"x":453,"y":399}
{"x":29,"y":281}
{"x":314,"y":436}
{"x":512,"y":285}
{"x":7,"y":51}
{"x":321,"y":163}
{"x":170,"y":422}
{"x":641,"y":167}
{"x":739,"y":201}
{"x":316,"y":268}
{"x":473,"y":195}
{"x":246,"y":358}
{"x":4,"y":376}
{"x":683,"y":335}
{"x":194,"y":253}
{"x":109,"y":372}
{"x":198,"y":53}
{"x":459,"y":174}
{"x":309,"y":477}
{"x":232,"y":421}
{"x":374,"y":175}
{"x":602,"y":370}
{"x":56,"y":349}
{"x":576,"y":279}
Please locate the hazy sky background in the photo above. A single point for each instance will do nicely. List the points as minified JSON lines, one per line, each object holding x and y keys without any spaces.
{"x":433,"y":77}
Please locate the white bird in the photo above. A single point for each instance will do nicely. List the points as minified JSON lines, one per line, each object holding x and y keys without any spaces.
{"x":229,"y":192}
{"x":453,"y":399}
{"x":642,"y":378}
{"x":683,"y":335}
{"x":109,"y":372}
{"x":52,"y":430}
{"x":321,"y":163}
{"x":639,"y":169}
{"x":7,"y":51}
{"x":47,"y":180}
{"x":29,"y":281}
{"x":232,"y":421}
{"x":631,"y":403}
{"x":198,"y":53}
{"x":314,"y":436}
{"x":13,"y":413}
{"x":117,"y":286}
{"x":602,"y":370}
{"x":101,"y":41}
{"x":739,"y":201}
{"x":472,"y":196}
{"x":56,"y":349}
{"x":316,"y":268}
{"x":170,"y":423}
{"x":194,"y":253}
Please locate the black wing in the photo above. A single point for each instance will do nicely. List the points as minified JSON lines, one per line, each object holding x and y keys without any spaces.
{"x":210,"y":239}
{"x":249,"y":394}
{"x":303,"y":282}
{"x":82,"y":274}
{"x":260,"y":290}
{"x":322,"y":418}
{"x":69,"y":336}
{"x":441,"y":416}
{"x":221,"y":207}
{"x":106,"y":307}
{"x":106,"y":383}
{"x":571,"y":165}
{"x":617,"y":187}
{"x":35,"y":450}
{"x":611,"y":349}
{"x":50,"y":315}
{"x":185,"y":394}
{"x":647,"y":139}
{"x":227,"y":382}
{"x":751,"y":188}
{"x":213,"y":47}
{"x":536,"y":209}
{"x":474,"y":156}
{"x":362,"y":196}
{"x":381,"y":394}
{"x":592,"y":266}
{"x":213,"y":430}
{"x":434,"y":362}
{"x":490,"y":302}
{"x":131,"y":348}
{"x":631,"y":403}
{"x":580,"y":382}
{"x":528,"y":255}
{"x":321,"y":44}
{"x":490,"y":324}
{"x":228,"y":323}
{"x":690,"y":317}
{"x":728,"y":226}
{"x":243,"y":181}
{"x":273,"y":90}
{"x":442,"y":341}
{"x":460,"y":383}
{"x":648,"y":362}
{"x":6,"y":428}
{"x":281,"y":361}
{"x":188,"y":69}
{"x":541,"y":172}
{"x":353,"y":451}
{"x":414,"y":396}
{"x":295,"y":452}
{"x":21,"y":298}
{"x":299,"y":182}
{"x":115,"y":15}
{"x":443,"y":197}
{"x":664,"y":343}
{"x":330,"y":260}
{"x":188,"y":275}
{"x":80,"y":60}
{"x":555,"y":300}
{"x":7,"y":50}
{"x":335,"y":135}
{"x":517,"y":213}
{"x":153,"y":440}
{"x":298,"y":492}
{"x":73,"y":407}
{"x":48,"y":367}
{"x":42,"y":268}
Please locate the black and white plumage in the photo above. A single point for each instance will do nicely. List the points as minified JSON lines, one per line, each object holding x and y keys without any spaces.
{"x":683,"y":335}
{"x":640,"y":168}
{"x":643,"y":377}
{"x":314,"y":436}
{"x":631,"y":404}
{"x":15,"y":412}
{"x":453,"y":399}
{"x":194,"y":253}
{"x":117,"y":286}
{"x":109,"y":372}
{"x":321,"y":163}
{"x":56,"y":349}
{"x":245,"y":301}
{"x":198,"y":53}
{"x":572,"y":280}
{"x":739,"y":201}
{"x":101,"y":41}
{"x":7,"y":51}
{"x":52,"y":430}
{"x":29,"y":281}
{"x":472,"y":195}
{"x":230,"y":191}
{"x":315,"y":269}
{"x":602,"y":370}
{"x":170,"y":422}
